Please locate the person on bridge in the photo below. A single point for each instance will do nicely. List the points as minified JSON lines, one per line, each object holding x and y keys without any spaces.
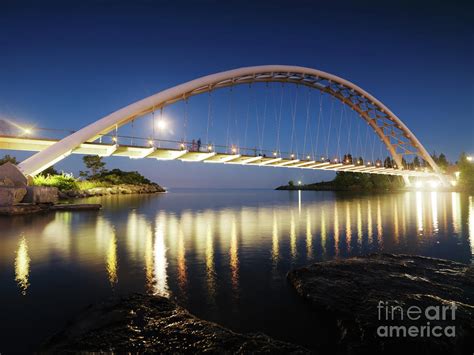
{"x":199,"y":144}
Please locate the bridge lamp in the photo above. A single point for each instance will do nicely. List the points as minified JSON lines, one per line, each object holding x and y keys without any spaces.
{"x":358,"y":162}
{"x":335,"y":160}
{"x":292,"y":156}
{"x":150,"y":142}
{"x":182,"y":146}
{"x":308,"y":157}
{"x":299,"y":182}
{"x":369,"y":163}
{"x":114,"y":139}
{"x":378,"y":164}
{"x":209,"y":148}
{"x":161,"y":124}
{"x":234,"y":150}
{"x":274,"y":154}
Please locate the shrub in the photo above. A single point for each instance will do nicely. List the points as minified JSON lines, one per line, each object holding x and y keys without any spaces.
{"x":63,"y":181}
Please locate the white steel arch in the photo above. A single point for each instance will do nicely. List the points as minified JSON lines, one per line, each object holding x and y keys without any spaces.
{"x":397,"y":137}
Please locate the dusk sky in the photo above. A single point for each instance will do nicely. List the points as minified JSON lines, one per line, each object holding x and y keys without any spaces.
{"x":67,"y":64}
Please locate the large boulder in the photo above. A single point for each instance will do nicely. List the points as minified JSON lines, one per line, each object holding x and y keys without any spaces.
{"x":10,"y":172}
{"x":10,"y":196}
{"x":385,"y":303}
{"x":41,"y":194}
{"x":153,"y":324}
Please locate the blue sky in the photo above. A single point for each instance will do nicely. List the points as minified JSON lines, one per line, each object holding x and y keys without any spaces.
{"x":66,"y":64}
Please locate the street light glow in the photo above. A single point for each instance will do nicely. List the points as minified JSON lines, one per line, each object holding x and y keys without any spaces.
{"x":161,"y":124}
{"x":470,"y":158}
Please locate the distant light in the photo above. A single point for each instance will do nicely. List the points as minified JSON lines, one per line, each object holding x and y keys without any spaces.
{"x":27,"y":130}
{"x":434,"y":184}
{"x":322,"y":158}
{"x":274,"y":154}
{"x":234,"y":150}
{"x":209,"y":148}
{"x":308,"y":157}
{"x":395,"y":166}
{"x":299,"y":182}
{"x":292,"y":156}
{"x":470,"y":158}
{"x":114,"y":139}
{"x":347,"y":160}
{"x":335,"y":160}
{"x":369,"y":163}
{"x":161,"y":124}
{"x":378,"y":164}
{"x":358,"y":161}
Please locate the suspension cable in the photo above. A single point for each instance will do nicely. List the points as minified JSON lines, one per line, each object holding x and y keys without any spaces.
{"x":319,"y":121}
{"x":330,"y":124}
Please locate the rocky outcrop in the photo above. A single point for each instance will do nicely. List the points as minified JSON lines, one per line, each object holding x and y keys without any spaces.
{"x":113,"y":190}
{"x":9,"y":173}
{"x":368,"y":296}
{"x":154,"y":324}
{"x":10,"y":196}
{"x":41,"y":194}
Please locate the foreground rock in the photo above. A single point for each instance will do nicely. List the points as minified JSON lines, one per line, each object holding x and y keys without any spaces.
{"x":113,"y":190}
{"x":352,"y":290}
{"x":10,"y":196}
{"x":156,"y":325}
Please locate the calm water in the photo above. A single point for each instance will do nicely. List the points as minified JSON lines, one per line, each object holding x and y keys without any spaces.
{"x":222,"y":254}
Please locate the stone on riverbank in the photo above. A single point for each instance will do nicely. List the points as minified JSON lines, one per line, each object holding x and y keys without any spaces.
{"x":351,"y":289}
{"x":10,"y":173}
{"x":10,"y":196}
{"x":41,"y":194}
{"x":155,"y":324}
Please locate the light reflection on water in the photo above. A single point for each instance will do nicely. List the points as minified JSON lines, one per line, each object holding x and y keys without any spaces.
{"x":221,"y":254}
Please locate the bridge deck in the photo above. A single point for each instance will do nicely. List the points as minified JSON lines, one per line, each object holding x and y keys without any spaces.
{"x":138,"y":152}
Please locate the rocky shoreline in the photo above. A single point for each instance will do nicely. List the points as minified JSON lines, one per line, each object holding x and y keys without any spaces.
{"x":355,"y":290}
{"x":347,"y":291}
{"x":154,"y":324}
{"x":112,"y":190}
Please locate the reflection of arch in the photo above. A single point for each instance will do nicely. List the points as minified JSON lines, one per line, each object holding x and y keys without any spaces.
{"x":398,"y":139}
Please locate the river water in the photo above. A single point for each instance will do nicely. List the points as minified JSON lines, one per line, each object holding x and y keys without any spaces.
{"x":222,"y":254}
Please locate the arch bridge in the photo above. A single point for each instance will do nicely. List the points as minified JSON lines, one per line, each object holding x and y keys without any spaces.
{"x":401,"y":144}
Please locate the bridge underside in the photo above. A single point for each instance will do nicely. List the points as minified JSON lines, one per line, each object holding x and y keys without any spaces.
{"x":139,"y":152}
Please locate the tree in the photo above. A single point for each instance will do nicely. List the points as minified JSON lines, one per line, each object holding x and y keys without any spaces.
{"x":7,"y":158}
{"x":94,"y":164}
{"x":291,"y":183}
{"x":388,"y":163}
{"x":466,"y":173}
{"x":416,"y":162}
{"x":50,"y":171}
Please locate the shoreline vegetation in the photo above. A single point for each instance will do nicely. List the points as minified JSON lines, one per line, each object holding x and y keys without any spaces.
{"x":356,"y":182}
{"x":96,"y":180}
{"x":461,"y":172}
